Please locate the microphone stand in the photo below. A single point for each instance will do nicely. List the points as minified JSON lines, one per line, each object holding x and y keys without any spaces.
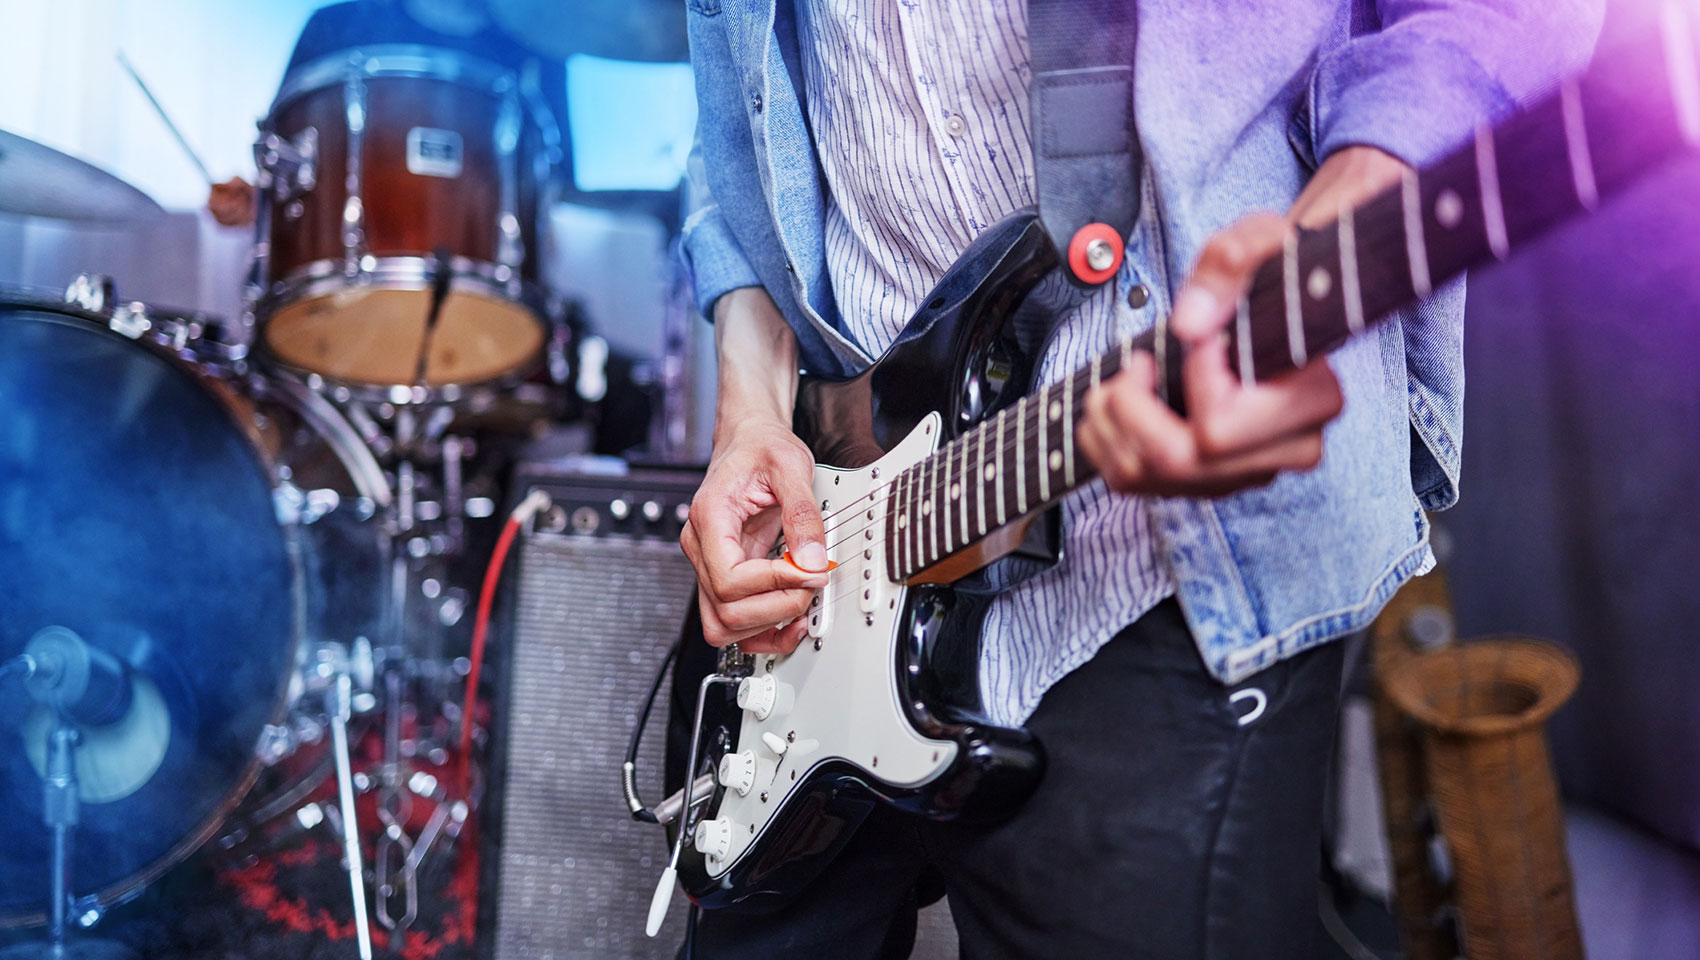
{"x":61,"y":809}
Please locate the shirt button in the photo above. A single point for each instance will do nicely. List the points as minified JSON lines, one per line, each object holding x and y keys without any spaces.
{"x":1138,"y":296}
{"x":755,"y":102}
{"x":955,"y":125}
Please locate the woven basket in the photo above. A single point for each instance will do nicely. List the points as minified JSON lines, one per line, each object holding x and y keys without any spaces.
{"x":1482,"y":707}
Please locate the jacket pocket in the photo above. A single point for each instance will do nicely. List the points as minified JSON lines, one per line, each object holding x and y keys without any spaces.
{"x":707,"y":8}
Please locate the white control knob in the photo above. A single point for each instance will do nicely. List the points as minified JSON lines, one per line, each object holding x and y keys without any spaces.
{"x":738,"y":772}
{"x":775,"y":742}
{"x":757,"y":694}
{"x":714,"y":838}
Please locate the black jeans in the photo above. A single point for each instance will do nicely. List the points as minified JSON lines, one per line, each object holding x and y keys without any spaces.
{"x":1163,"y":829}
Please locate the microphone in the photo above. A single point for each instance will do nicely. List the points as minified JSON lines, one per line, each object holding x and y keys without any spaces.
{"x":120,"y":719}
{"x":87,"y":686}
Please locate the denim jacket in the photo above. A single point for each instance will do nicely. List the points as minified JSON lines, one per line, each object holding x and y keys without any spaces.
{"x":1236,"y":103}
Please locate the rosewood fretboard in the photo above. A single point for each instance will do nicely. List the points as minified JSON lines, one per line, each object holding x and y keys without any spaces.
{"x":1584,"y":142}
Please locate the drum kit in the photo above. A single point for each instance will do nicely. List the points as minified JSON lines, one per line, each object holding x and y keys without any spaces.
{"x":234,"y":556}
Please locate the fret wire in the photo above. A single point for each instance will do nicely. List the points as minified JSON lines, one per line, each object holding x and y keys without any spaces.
{"x":962,"y":489}
{"x":944,"y":505}
{"x":915,"y":555}
{"x":1242,"y":338}
{"x":1021,"y":457}
{"x":1415,"y":250}
{"x":1680,"y":64}
{"x":998,"y":469}
{"x":930,"y":508}
{"x":1044,"y":467}
{"x":1576,"y":144}
{"x":980,"y":476}
{"x":1349,"y":289}
{"x":1493,"y":210}
{"x":1097,"y":364}
{"x":1068,"y":432}
{"x":1295,"y":311}
{"x":1127,"y":353}
{"x":905,"y":524}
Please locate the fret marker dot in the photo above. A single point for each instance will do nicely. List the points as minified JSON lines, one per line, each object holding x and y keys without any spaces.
{"x":991,"y":472}
{"x":1056,"y":459}
{"x":926,"y":506}
{"x":902,"y":520}
{"x":955,"y":490}
{"x":1449,"y":208}
{"x":1056,"y":410}
{"x":1319,"y":283}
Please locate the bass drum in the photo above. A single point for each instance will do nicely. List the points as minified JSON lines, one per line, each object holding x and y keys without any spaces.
{"x":184,"y":521}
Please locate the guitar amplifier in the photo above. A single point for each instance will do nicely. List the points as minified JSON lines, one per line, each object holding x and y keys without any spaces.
{"x":597,"y":595}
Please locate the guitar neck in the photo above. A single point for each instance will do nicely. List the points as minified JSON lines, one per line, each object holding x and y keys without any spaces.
{"x":1586,"y":141}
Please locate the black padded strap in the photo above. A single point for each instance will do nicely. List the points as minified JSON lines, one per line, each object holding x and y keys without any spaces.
{"x":1085,"y":146}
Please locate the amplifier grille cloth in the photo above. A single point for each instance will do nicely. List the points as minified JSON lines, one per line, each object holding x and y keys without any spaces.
{"x":594,"y":619}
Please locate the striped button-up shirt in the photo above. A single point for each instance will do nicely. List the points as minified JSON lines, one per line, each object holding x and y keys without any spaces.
{"x":919,"y":113}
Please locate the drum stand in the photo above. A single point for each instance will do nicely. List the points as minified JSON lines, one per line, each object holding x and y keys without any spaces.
{"x":397,"y":856}
{"x":60,"y":809}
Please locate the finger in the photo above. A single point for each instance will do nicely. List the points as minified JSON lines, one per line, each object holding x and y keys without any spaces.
{"x":1229,"y":417}
{"x":764,"y":610}
{"x":1223,"y":273}
{"x":1114,"y":456}
{"x":800,"y":517}
{"x":730,"y":572}
{"x":1140,"y":420}
{"x":782,"y":640}
{"x":717,"y":633}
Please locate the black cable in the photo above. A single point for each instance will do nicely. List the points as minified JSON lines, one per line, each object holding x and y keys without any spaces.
{"x":645,"y":814}
{"x":691,"y":932}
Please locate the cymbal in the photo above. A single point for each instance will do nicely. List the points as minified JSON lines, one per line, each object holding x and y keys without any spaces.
{"x":629,"y":30}
{"x":39,"y":181}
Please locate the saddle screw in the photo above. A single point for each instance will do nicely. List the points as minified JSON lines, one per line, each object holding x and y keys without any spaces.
{"x":875,"y":473}
{"x":764,"y":796}
{"x":791,"y":736}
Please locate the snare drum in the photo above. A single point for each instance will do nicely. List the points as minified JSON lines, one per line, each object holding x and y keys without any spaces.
{"x":203,"y":528}
{"x":387,"y":171}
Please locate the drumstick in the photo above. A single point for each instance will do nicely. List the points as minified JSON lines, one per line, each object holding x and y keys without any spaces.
{"x":166,"y":118}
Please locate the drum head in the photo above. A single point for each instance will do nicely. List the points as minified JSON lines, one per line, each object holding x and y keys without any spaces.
{"x":374,"y":337}
{"x":135,"y":511}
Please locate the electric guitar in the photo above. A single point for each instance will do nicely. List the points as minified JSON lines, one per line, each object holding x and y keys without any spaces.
{"x":935,"y":461}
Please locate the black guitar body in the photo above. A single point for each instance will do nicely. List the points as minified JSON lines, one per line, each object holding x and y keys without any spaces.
{"x":969,"y":352}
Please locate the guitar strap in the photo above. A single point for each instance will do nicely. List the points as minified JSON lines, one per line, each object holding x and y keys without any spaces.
{"x":1085,"y":146}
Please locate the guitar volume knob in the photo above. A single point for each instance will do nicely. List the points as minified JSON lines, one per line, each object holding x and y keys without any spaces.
{"x":714,"y":838}
{"x":738,"y":772}
{"x":757,"y":695}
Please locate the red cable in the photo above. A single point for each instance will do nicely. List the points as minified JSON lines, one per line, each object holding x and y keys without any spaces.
{"x":481,"y":625}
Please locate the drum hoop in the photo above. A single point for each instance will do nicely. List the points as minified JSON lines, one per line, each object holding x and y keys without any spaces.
{"x":224,"y":390}
{"x":405,"y":60}
{"x":323,"y":277}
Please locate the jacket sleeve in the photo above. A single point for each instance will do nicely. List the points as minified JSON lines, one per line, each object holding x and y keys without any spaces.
{"x":715,"y":260}
{"x":1435,"y":68}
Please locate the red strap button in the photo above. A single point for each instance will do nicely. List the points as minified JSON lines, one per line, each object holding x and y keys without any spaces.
{"x":1095,"y":253}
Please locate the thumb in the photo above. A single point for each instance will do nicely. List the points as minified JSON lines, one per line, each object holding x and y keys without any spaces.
{"x":800,"y":516}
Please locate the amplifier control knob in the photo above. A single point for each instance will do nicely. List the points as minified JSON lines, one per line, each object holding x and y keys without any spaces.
{"x":738,"y":772}
{"x":620,"y":509}
{"x":757,"y":694}
{"x":652,"y":511}
{"x":714,"y":838}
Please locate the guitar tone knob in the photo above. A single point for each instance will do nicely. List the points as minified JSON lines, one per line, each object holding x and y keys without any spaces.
{"x":714,"y":838}
{"x":757,"y":695}
{"x":738,"y":772}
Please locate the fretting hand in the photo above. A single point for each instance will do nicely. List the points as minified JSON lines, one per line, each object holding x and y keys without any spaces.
{"x":1235,"y":435}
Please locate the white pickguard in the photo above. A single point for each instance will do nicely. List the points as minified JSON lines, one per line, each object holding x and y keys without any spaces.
{"x":840,"y":700}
